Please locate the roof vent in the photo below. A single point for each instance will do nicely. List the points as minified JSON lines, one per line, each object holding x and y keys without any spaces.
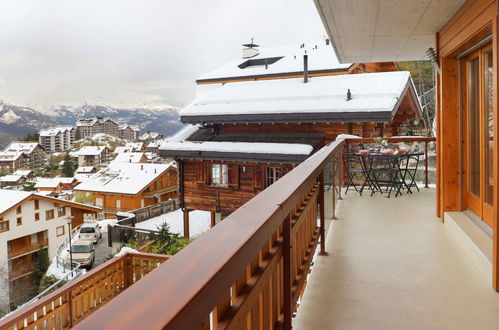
{"x":305,"y":68}
{"x":349,"y":95}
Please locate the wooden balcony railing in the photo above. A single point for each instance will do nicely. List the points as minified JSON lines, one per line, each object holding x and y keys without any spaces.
{"x":28,"y":248}
{"x":76,"y":300}
{"x":246,"y":272}
{"x":154,"y":193}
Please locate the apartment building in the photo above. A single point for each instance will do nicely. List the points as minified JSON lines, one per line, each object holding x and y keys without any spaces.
{"x":32,"y":226}
{"x":21,"y":155}
{"x":128,"y":132}
{"x":57,"y":139}
{"x":87,"y":127}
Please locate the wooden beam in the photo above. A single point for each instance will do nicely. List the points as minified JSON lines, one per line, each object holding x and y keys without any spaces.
{"x":212,"y":218}
{"x":186,"y":223}
{"x":495,"y":248}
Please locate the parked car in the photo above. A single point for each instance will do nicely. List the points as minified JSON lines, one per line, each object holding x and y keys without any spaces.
{"x":90,"y":231}
{"x":82,"y":252}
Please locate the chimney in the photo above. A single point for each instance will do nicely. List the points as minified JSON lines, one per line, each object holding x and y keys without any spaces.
{"x":141,"y":167}
{"x":327,"y":41}
{"x":250,"y":50}
{"x":349,"y":95}
{"x":305,"y":68}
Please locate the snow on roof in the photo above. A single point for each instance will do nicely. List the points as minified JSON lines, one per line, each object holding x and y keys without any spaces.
{"x":53,"y":182}
{"x":16,"y":147}
{"x":123,"y":178}
{"x":9,"y":198}
{"x":54,"y":131}
{"x":184,"y":133}
{"x":90,"y":150}
{"x":150,"y":135}
{"x":10,"y":178}
{"x":85,"y":169}
{"x":128,"y":157}
{"x":129,"y":147}
{"x":199,"y":222}
{"x":240,"y":147}
{"x":371,"y":92}
{"x":23,"y":172}
{"x":320,"y":57}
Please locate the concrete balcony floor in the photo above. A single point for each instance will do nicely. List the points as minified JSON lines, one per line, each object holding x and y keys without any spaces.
{"x":392,"y":264}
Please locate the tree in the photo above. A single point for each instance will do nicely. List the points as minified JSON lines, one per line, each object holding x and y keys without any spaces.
{"x":166,"y":242}
{"x":32,"y":137}
{"x":68,"y":168}
{"x":78,"y":135}
{"x":84,"y":198}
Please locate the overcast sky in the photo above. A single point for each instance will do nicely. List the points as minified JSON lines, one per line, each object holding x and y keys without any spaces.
{"x":125,"y":52}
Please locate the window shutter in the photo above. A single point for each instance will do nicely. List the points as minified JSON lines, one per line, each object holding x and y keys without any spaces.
{"x":257,"y":176}
{"x":234,"y":175}
{"x":201,"y":173}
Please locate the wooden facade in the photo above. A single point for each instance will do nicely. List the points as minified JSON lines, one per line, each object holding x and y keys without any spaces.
{"x":245,"y":180}
{"x":467,"y":117}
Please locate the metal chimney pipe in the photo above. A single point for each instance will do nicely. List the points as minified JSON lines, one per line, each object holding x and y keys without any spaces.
{"x":305,"y":68}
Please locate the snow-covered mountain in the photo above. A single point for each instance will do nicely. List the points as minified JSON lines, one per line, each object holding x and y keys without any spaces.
{"x":18,"y":121}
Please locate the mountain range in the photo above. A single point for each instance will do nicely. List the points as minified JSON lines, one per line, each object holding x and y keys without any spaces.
{"x":18,"y":121}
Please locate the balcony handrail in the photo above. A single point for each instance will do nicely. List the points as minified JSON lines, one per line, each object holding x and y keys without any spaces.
{"x":25,"y":314}
{"x":182,"y":294}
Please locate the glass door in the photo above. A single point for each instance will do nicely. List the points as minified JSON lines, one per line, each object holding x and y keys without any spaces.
{"x":478,"y":129}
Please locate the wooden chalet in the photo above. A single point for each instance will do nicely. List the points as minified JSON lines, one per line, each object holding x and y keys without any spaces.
{"x":232,"y":124}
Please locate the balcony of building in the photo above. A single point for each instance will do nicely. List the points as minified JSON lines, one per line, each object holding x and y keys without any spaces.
{"x":392,"y":264}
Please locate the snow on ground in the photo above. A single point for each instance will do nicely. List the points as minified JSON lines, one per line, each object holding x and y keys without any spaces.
{"x":104,"y":223}
{"x":124,"y":250}
{"x":199,"y":222}
{"x":60,"y":272}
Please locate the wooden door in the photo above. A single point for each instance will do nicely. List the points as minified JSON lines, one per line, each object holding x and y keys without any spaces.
{"x":478,"y":130}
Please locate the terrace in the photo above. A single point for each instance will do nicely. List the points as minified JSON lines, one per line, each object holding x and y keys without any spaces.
{"x":391,"y":264}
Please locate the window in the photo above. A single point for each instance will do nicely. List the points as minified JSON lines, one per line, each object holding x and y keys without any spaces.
{"x":49,"y":214}
{"x":37,"y":204}
{"x":4,"y":225}
{"x":59,"y":231}
{"x":219,"y":174}
{"x":37,"y":216}
{"x":19,"y":209}
{"x":19,"y":221}
{"x":34,"y":238}
{"x":159,"y":185}
{"x":61,"y":211}
{"x":272,"y":175}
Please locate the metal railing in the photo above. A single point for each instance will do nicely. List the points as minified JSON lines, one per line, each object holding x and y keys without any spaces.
{"x":74,"y":301}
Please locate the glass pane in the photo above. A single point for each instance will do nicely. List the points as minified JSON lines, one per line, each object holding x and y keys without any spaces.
{"x":473,"y":127}
{"x":489,"y":126}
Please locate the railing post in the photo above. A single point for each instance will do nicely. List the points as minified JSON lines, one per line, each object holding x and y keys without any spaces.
{"x":340,"y":176}
{"x":286,"y":281}
{"x":70,"y":302}
{"x":186,"y":223}
{"x":426,"y":164}
{"x":333,"y":193}
{"x":322,"y":215}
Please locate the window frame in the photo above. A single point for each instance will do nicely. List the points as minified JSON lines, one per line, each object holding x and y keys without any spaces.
{"x":3,"y":224}
{"x":47,"y":214}
{"x":276,"y":174}
{"x":57,"y":231}
{"x":223,"y":179}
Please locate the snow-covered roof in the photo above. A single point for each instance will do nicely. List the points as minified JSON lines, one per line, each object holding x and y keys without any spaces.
{"x":320,"y":57}
{"x":240,"y":147}
{"x":9,"y":198}
{"x":128,"y":157}
{"x":373,"y":95}
{"x":53,"y":182}
{"x":184,"y":133}
{"x":56,"y":130}
{"x":85,"y":169}
{"x":123,"y":178}
{"x":25,"y":147}
{"x":23,"y":172}
{"x":10,"y":178}
{"x":199,"y":222}
{"x":150,"y":135}
{"x":90,"y":151}
{"x":129,"y":147}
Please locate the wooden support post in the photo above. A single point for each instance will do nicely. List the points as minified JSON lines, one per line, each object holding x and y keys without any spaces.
{"x":340,"y":176}
{"x":426,"y":164}
{"x":186,"y":223}
{"x":287,"y":281}
{"x":333,"y":193}
{"x":322,"y":215}
{"x":212,"y":217}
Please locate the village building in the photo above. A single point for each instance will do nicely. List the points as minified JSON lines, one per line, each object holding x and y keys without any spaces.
{"x":32,"y":227}
{"x":151,"y":136}
{"x":130,"y":157}
{"x":12,"y":181}
{"x":130,"y":147}
{"x":244,"y":136}
{"x":57,"y":139}
{"x":128,"y":132}
{"x":55,"y":185}
{"x":21,"y":155}
{"x":94,"y":156}
{"x":88,"y":127}
{"x":128,"y":186}
{"x":28,"y":174}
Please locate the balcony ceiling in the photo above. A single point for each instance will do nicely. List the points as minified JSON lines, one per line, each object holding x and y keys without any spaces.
{"x":384,"y":30}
